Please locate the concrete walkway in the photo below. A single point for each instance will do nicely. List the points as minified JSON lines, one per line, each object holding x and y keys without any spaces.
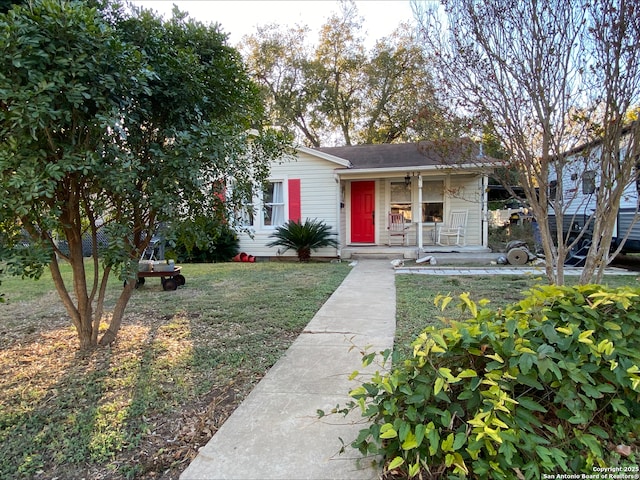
{"x":501,"y":270}
{"x":275,"y":433}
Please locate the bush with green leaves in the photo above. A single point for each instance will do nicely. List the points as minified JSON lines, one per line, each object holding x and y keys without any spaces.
{"x":303,"y":237}
{"x":202,"y":240}
{"x":548,"y":385}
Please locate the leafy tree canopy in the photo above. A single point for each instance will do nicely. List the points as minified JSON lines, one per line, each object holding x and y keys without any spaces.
{"x":337,"y":92}
{"x":117,"y":121}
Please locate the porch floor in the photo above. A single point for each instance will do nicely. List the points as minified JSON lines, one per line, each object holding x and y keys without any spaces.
{"x":464,"y":254}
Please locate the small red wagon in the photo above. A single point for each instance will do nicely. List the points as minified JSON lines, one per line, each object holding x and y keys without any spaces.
{"x":170,"y":279}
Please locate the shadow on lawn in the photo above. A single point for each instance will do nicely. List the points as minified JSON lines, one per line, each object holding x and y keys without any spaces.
{"x":114,"y":413}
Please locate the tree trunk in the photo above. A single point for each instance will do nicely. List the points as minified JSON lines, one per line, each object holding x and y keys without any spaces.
{"x":100,"y":305}
{"x":80,"y":308}
{"x":85,"y":319}
{"x":304,"y":254}
{"x":548,"y":248}
{"x":118,"y":312}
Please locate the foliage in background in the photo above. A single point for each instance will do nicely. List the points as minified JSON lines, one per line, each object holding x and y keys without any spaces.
{"x":546,"y":384}
{"x":336,"y":90}
{"x":201,"y":240}
{"x":303,"y":237}
{"x":416,"y":309}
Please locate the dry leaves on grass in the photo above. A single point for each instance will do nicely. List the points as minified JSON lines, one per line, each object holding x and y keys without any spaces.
{"x":181,"y":364}
{"x":40,"y":362}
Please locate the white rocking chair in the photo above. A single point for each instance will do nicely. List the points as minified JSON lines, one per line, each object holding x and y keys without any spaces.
{"x":456,"y":227}
{"x":396,"y":227}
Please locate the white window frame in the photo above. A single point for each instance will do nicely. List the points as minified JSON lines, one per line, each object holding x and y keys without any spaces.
{"x":428,"y":197}
{"x":279,"y":206}
{"x":403,"y":206}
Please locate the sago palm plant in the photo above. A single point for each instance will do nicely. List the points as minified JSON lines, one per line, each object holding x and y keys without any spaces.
{"x":303,"y":237}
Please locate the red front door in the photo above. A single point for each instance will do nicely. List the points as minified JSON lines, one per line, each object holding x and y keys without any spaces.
{"x":363,"y":196}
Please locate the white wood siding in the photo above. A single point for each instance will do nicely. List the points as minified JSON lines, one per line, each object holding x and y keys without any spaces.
{"x":466,"y":194}
{"x":319,"y":197}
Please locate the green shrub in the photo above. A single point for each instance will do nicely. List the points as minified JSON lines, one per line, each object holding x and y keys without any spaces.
{"x":303,"y":237}
{"x":549,"y":385}
{"x":202,"y":240}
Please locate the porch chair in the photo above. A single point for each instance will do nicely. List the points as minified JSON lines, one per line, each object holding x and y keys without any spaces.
{"x":396,"y":227}
{"x":456,"y":227}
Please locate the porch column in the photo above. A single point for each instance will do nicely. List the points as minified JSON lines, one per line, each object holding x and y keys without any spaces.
{"x":485,"y":210}
{"x":419,"y":213}
{"x":341,"y":240}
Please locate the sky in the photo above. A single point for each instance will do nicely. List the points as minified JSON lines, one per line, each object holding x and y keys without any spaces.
{"x":241,"y":17}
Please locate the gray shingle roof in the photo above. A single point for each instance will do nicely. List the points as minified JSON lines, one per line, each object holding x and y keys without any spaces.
{"x":422,"y":154}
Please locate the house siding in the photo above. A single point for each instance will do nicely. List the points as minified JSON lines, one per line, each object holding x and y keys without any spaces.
{"x":578,"y":203}
{"x":318,"y":200}
{"x":466,"y":195}
{"x":318,"y":186}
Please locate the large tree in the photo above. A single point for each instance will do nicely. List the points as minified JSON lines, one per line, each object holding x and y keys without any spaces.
{"x":399,"y":101}
{"x":337,"y":92}
{"x":116,"y":122}
{"x":337,"y":69}
{"x":547,"y":76}
{"x":279,"y":61}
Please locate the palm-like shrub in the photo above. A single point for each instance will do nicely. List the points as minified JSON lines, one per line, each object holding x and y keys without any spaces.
{"x":303,"y":237}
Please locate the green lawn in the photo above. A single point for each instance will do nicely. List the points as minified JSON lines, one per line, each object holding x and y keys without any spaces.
{"x":416,"y":294}
{"x":182,"y":363}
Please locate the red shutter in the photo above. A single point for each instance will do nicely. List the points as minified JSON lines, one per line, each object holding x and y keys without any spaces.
{"x":220,"y":190}
{"x":295,"y":205}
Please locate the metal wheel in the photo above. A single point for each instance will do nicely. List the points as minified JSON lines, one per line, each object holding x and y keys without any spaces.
{"x":169,"y":284}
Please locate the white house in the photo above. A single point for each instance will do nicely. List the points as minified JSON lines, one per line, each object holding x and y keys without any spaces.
{"x":576,"y":194}
{"x":354,"y":189}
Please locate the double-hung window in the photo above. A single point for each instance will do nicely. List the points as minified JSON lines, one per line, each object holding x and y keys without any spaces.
{"x":432,"y":200}
{"x":401,"y":199}
{"x":273,"y":212}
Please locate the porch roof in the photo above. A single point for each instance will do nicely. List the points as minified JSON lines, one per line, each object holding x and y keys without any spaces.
{"x":459,"y":153}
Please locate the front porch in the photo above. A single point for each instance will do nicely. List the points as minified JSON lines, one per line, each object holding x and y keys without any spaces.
{"x":453,"y":252}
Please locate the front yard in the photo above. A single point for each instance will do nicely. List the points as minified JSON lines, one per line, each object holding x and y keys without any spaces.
{"x":415,"y":295}
{"x":182,"y":363}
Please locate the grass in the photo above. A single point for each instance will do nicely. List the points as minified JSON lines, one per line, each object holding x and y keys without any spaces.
{"x":415,"y":295}
{"x":182,"y":363}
